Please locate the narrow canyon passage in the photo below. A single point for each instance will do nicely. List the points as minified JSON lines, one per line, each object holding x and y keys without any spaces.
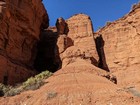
{"x":46,"y":58}
{"x":100,"y":50}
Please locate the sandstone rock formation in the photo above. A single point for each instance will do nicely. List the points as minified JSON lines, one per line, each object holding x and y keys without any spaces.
{"x":121,"y":48}
{"x":20,"y":25}
{"x":99,"y":68}
{"x":122,"y":39}
{"x":78,"y":42}
{"x":62,"y":30}
{"x":79,"y":83}
{"x":74,"y":40}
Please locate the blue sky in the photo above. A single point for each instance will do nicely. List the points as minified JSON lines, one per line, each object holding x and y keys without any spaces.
{"x":100,"y":11}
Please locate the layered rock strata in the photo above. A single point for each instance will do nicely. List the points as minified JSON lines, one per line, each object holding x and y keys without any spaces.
{"x":122,"y":46}
{"x":78,"y":41}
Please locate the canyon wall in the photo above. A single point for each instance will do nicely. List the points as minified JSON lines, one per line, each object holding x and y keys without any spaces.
{"x":20,"y":25}
{"x":122,"y":47}
{"x":122,"y":39}
{"x":99,"y":68}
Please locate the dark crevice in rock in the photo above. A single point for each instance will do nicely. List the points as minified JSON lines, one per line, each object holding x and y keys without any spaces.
{"x":100,"y":50}
{"x":5,"y":80}
{"x":112,"y":78}
{"x":46,"y":58}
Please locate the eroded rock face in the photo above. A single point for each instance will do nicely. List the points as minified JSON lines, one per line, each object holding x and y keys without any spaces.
{"x":73,"y":39}
{"x":122,"y":39}
{"x":122,"y":47}
{"x":20,"y":25}
{"x":79,"y":41}
{"x":62,"y":30}
{"x":61,"y":26}
{"x":79,"y":82}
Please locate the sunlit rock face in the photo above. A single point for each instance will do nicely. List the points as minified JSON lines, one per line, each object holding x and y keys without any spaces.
{"x":122,"y":41}
{"x":122,"y":47}
{"x":78,"y":41}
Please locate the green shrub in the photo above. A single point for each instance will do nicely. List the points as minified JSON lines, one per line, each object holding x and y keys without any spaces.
{"x":2,"y":89}
{"x":37,"y":81}
{"x":12,"y":92}
{"x":108,"y":23}
{"x":9,"y":90}
{"x":32,"y":83}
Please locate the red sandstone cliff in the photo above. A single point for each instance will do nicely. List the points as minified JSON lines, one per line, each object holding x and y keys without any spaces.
{"x":121,"y":48}
{"x":20,"y":24}
{"x":78,"y":42}
{"x":91,"y":63}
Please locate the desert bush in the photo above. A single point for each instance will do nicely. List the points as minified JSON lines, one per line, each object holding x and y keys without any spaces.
{"x":51,"y":95}
{"x":32,"y":83}
{"x":108,"y":23}
{"x":6,"y":90}
{"x":12,"y":92}
{"x":2,"y":89}
{"x":37,"y":81}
